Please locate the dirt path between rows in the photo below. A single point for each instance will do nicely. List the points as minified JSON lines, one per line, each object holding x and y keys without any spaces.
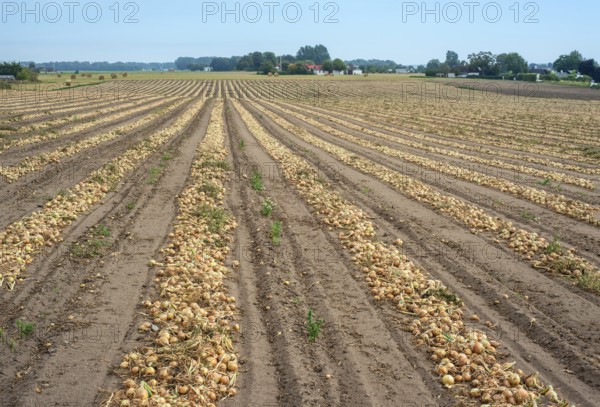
{"x":367,"y":358}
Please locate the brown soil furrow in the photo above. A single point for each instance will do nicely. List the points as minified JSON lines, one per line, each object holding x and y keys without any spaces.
{"x":300,"y":377}
{"x":395,"y":123}
{"x":259,"y":382}
{"x":320,"y":277}
{"x":31,"y":140}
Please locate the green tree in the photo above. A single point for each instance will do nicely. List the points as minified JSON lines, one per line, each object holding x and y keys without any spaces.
{"x":267,"y":67}
{"x":452,"y":59}
{"x":257,"y":60}
{"x":568,"y":62}
{"x":511,"y":62}
{"x":434,"y":64}
{"x":181,"y":63}
{"x":26,"y":74}
{"x":269,"y":57}
{"x":10,"y":68}
{"x":328,"y":66}
{"x":224,"y":64}
{"x":288,"y":58}
{"x":484,"y":63}
{"x":298,"y":68}
{"x":244,"y":64}
{"x":196,"y":67}
{"x":339,"y":65}
{"x":444,"y":68}
{"x":318,"y":53}
{"x":587,"y":67}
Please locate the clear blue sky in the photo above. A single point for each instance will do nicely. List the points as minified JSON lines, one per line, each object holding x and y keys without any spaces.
{"x":375,"y":29}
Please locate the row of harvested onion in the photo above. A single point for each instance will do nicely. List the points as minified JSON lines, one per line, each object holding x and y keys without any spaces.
{"x":530,"y":245}
{"x":510,"y":140}
{"x":36,"y":103}
{"x":72,"y":113}
{"x":536,"y":124}
{"x":518,"y":169}
{"x":465,"y":359}
{"x":22,"y":240}
{"x":379,"y":120}
{"x":111,"y":115}
{"x":558,"y":203}
{"x":38,"y":162}
{"x":191,"y":88}
{"x":378,"y":111}
{"x":190,"y":360}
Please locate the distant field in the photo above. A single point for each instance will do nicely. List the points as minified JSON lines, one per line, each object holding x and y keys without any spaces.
{"x":409,"y":83}
{"x":52,"y":77}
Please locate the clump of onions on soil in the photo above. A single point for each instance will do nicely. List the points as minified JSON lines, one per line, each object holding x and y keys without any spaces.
{"x":190,"y":358}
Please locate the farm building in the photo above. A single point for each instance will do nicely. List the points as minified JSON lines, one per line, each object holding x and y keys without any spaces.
{"x":317,"y":69}
{"x":355,"y":72}
{"x":7,"y":78}
{"x":445,"y":75}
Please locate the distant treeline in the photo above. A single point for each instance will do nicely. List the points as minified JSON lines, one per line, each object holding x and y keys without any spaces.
{"x":104,"y":66}
{"x":266,"y":61}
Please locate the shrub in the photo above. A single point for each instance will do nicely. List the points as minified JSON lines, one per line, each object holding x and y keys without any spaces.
{"x":550,"y":77}
{"x":527,"y":77}
{"x":584,"y":78}
{"x":27,"y":74}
